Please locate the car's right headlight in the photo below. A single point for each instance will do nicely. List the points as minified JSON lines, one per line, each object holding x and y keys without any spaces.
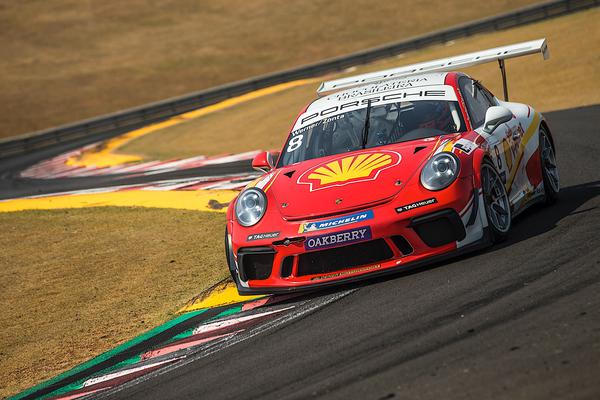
{"x":250,"y":206}
{"x":440,"y":171}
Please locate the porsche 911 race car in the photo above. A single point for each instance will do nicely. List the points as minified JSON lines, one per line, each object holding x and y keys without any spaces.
{"x":391,"y":170}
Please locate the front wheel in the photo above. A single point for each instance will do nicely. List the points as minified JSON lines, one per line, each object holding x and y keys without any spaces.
{"x":495,"y":200}
{"x":549,"y":168}
{"x":230,"y":258}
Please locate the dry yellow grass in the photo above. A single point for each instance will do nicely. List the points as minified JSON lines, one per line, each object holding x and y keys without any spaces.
{"x":75,"y":283}
{"x":570,"y":78}
{"x":65,"y":60}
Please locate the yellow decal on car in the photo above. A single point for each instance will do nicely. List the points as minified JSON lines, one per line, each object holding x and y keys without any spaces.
{"x":350,"y":169}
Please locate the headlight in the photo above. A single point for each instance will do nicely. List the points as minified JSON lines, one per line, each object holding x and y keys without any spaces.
{"x":440,"y":171}
{"x":250,"y":206}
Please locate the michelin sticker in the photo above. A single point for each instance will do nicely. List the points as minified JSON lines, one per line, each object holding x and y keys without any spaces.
{"x":335,"y":222}
{"x":335,"y":239}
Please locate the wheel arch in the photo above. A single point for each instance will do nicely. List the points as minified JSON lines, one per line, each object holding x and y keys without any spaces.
{"x":546,"y":127}
{"x":479,"y":157}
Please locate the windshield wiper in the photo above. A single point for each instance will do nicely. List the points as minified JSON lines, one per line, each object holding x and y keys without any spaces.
{"x":365,"y":133}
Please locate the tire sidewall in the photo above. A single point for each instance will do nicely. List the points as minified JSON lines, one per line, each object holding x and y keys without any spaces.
{"x":496,"y":234}
{"x":230,"y":258}
{"x":550,"y":195}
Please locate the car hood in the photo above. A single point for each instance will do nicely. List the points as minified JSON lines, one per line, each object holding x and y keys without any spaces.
{"x":348,"y":181}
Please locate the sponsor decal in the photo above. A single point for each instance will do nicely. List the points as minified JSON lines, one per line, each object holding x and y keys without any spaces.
{"x":350,"y":169}
{"x":264,"y":182}
{"x":261,"y":236}
{"x":381,"y":87}
{"x":416,"y":204}
{"x":440,"y":93}
{"x":335,"y":239}
{"x":464,"y":145}
{"x":347,"y":272}
{"x":335,"y":222}
{"x":321,"y":122}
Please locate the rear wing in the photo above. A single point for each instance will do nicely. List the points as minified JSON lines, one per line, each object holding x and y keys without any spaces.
{"x":443,"y":65}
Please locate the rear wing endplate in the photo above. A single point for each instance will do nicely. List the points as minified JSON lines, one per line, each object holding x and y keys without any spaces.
{"x":498,"y":54}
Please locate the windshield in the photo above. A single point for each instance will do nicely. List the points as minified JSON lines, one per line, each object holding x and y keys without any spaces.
{"x":388,"y":123}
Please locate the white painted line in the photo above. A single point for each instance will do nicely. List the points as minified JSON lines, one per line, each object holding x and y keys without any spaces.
{"x":118,"y":374}
{"x":234,"y":321}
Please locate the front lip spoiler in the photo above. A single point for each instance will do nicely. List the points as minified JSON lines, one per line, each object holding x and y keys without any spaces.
{"x":484,"y":242}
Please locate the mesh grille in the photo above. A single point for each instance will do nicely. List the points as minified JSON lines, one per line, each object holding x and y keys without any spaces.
{"x":319,"y":262}
{"x":257,"y":266}
{"x":402,"y":244}
{"x":286,"y":266}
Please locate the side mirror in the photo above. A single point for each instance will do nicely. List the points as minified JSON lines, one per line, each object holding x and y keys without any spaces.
{"x":263,"y":162}
{"x":496,"y":116}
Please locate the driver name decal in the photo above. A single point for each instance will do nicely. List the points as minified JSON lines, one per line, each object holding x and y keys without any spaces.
{"x":343,"y":171}
{"x":355,"y":235}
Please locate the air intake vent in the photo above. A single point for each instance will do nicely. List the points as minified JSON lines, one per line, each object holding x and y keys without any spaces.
{"x":320,"y":262}
{"x":402,"y":245}
{"x":255,"y":263}
{"x":439,"y":228}
{"x":286,"y":266}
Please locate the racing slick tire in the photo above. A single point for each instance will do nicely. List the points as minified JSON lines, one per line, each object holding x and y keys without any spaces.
{"x":230,"y":258}
{"x":496,"y":203}
{"x":549,"y":168}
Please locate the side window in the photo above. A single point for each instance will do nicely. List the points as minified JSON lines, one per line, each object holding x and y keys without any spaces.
{"x":489,"y":96}
{"x":476,"y":99}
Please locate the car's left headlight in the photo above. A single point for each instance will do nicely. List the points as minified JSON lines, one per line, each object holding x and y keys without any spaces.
{"x":440,"y":171}
{"x":250,"y":206}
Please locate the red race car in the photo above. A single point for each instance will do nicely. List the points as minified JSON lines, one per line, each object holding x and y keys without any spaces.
{"x":391,"y":170}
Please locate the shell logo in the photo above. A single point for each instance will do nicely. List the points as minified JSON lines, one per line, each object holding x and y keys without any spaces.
{"x":351,"y":169}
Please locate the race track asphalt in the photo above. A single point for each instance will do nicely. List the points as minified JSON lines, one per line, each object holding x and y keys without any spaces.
{"x":520,"y":320}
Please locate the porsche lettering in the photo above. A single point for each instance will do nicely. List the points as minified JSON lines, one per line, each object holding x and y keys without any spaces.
{"x":402,"y":95}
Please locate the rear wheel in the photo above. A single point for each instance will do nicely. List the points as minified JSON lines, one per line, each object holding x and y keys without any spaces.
{"x":549,"y":167}
{"x":495,"y":200}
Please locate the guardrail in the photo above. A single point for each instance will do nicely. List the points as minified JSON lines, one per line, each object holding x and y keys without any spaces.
{"x":154,"y":112}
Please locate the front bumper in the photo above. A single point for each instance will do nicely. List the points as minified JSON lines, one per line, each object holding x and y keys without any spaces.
{"x":403,"y":233}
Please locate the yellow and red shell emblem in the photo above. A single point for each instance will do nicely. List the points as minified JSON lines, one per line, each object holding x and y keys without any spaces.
{"x":350,"y":169}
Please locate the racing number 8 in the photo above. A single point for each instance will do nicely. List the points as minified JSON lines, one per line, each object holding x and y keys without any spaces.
{"x":295,"y":143}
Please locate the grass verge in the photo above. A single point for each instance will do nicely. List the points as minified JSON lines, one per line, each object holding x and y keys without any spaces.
{"x":64,"y":60}
{"x":569,"y":78}
{"x":76,"y":283}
